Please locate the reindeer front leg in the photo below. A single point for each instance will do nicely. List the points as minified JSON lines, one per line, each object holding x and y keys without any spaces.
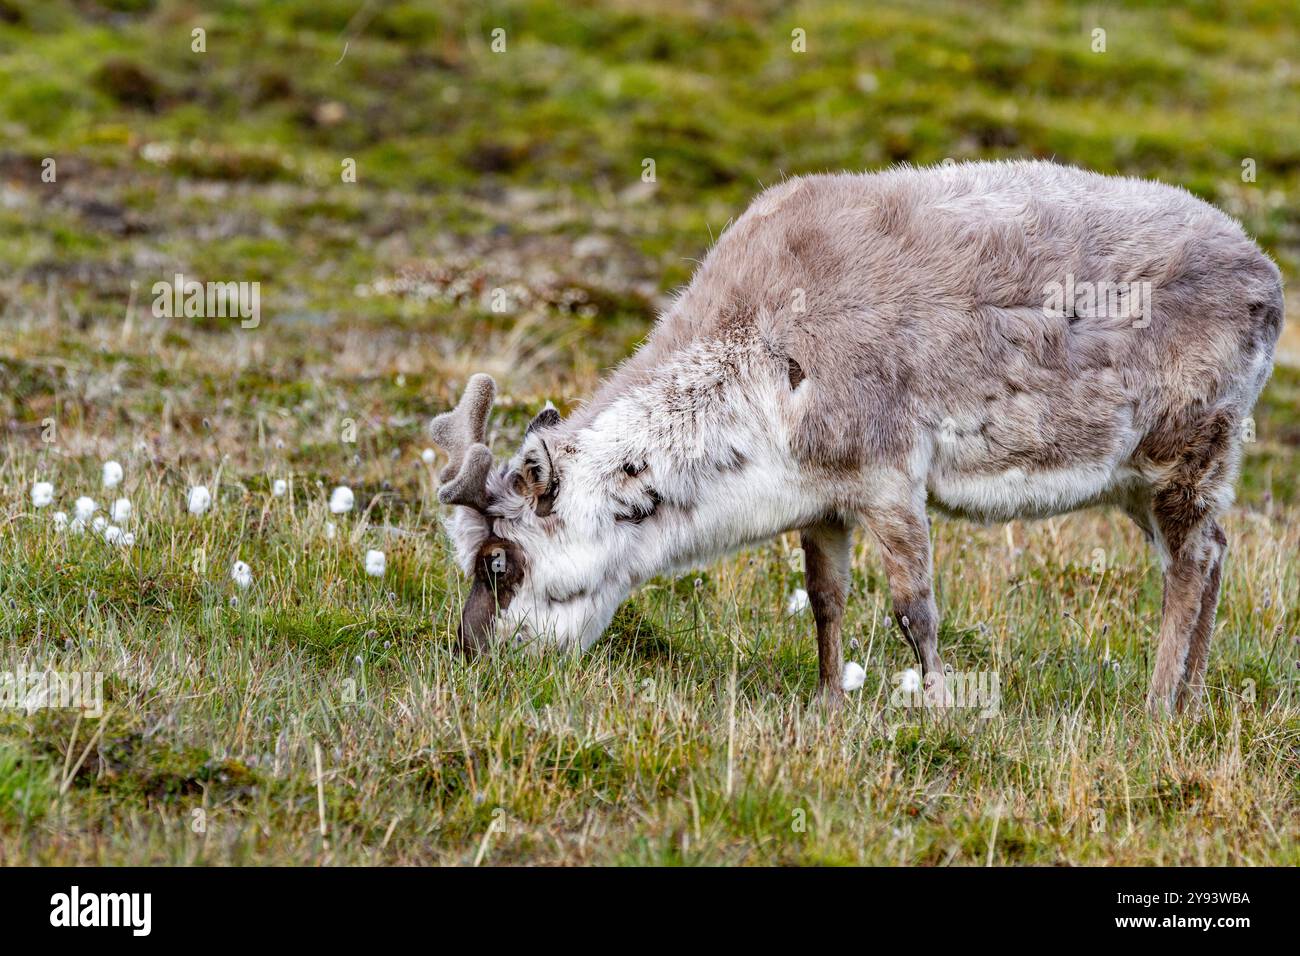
{"x":826,"y":549}
{"x":903,"y":532}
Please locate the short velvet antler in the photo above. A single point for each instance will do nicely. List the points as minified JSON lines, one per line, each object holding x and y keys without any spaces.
{"x":461,"y":433}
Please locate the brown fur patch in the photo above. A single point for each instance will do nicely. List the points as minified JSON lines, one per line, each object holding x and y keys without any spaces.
{"x":1184,"y":500}
{"x":795,"y":373}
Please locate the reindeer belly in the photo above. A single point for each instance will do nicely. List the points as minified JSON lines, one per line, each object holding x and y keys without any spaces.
{"x":1021,"y":493}
{"x":1029,"y":459}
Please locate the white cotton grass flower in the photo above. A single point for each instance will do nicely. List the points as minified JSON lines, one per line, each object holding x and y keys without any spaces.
{"x":341,"y":500}
{"x":427,"y":456}
{"x":375,"y":563}
{"x":60,"y":520}
{"x":910,"y":681}
{"x":853,"y":677}
{"x":331,"y":529}
{"x":84,"y":507}
{"x":42,"y":494}
{"x":112,"y":474}
{"x":99,"y":524}
{"x":798,"y":602}
{"x":241,"y":574}
{"x":115,"y":535}
{"x":198,"y":500}
{"x":280,"y":488}
{"x":120,"y":513}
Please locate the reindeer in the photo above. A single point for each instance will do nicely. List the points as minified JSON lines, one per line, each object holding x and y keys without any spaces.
{"x":856,"y":348}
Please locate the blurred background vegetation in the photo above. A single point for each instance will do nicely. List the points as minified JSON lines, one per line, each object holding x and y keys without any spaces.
{"x":522,"y":170}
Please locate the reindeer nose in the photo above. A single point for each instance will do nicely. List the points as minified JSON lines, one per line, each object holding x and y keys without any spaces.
{"x":472,"y":639}
{"x":477,"y":621}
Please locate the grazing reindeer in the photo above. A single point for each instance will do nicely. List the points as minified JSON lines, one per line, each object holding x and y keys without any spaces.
{"x":998,"y":340}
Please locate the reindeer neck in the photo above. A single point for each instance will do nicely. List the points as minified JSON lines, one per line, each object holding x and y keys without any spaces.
{"x":700,"y":436}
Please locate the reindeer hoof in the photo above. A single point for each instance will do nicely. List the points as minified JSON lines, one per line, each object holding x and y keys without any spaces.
{"x":1160,"y":706}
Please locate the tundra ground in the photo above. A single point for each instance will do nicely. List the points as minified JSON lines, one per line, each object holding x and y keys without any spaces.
{"x":319,"y":715}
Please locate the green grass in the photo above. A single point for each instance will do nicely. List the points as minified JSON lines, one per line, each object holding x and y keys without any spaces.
{"x":688,"y":734}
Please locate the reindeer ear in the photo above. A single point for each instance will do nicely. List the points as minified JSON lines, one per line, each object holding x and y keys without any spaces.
{"x":547,"y":417}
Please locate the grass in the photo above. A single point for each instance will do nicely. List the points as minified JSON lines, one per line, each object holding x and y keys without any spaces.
{"x":686,"y":735}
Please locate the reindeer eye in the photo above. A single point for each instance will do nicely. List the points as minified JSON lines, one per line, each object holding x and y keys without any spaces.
{"x":631,"y":469}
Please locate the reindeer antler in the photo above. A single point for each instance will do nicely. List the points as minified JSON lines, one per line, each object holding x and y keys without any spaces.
{"x":461,"y":433}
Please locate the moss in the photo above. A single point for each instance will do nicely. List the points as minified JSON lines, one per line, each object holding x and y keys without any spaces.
{"x":638,"y":632}
{"x":131,"y":768}
{"x":28,"y":784}
{"x":129,"y":83}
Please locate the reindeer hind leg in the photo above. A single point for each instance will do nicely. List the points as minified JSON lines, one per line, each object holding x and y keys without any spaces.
{"x":1192,"y":688}
{"x":1183,"y":508}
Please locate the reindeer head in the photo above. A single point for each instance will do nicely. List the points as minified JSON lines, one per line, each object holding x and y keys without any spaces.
{"x":546,"y":543}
